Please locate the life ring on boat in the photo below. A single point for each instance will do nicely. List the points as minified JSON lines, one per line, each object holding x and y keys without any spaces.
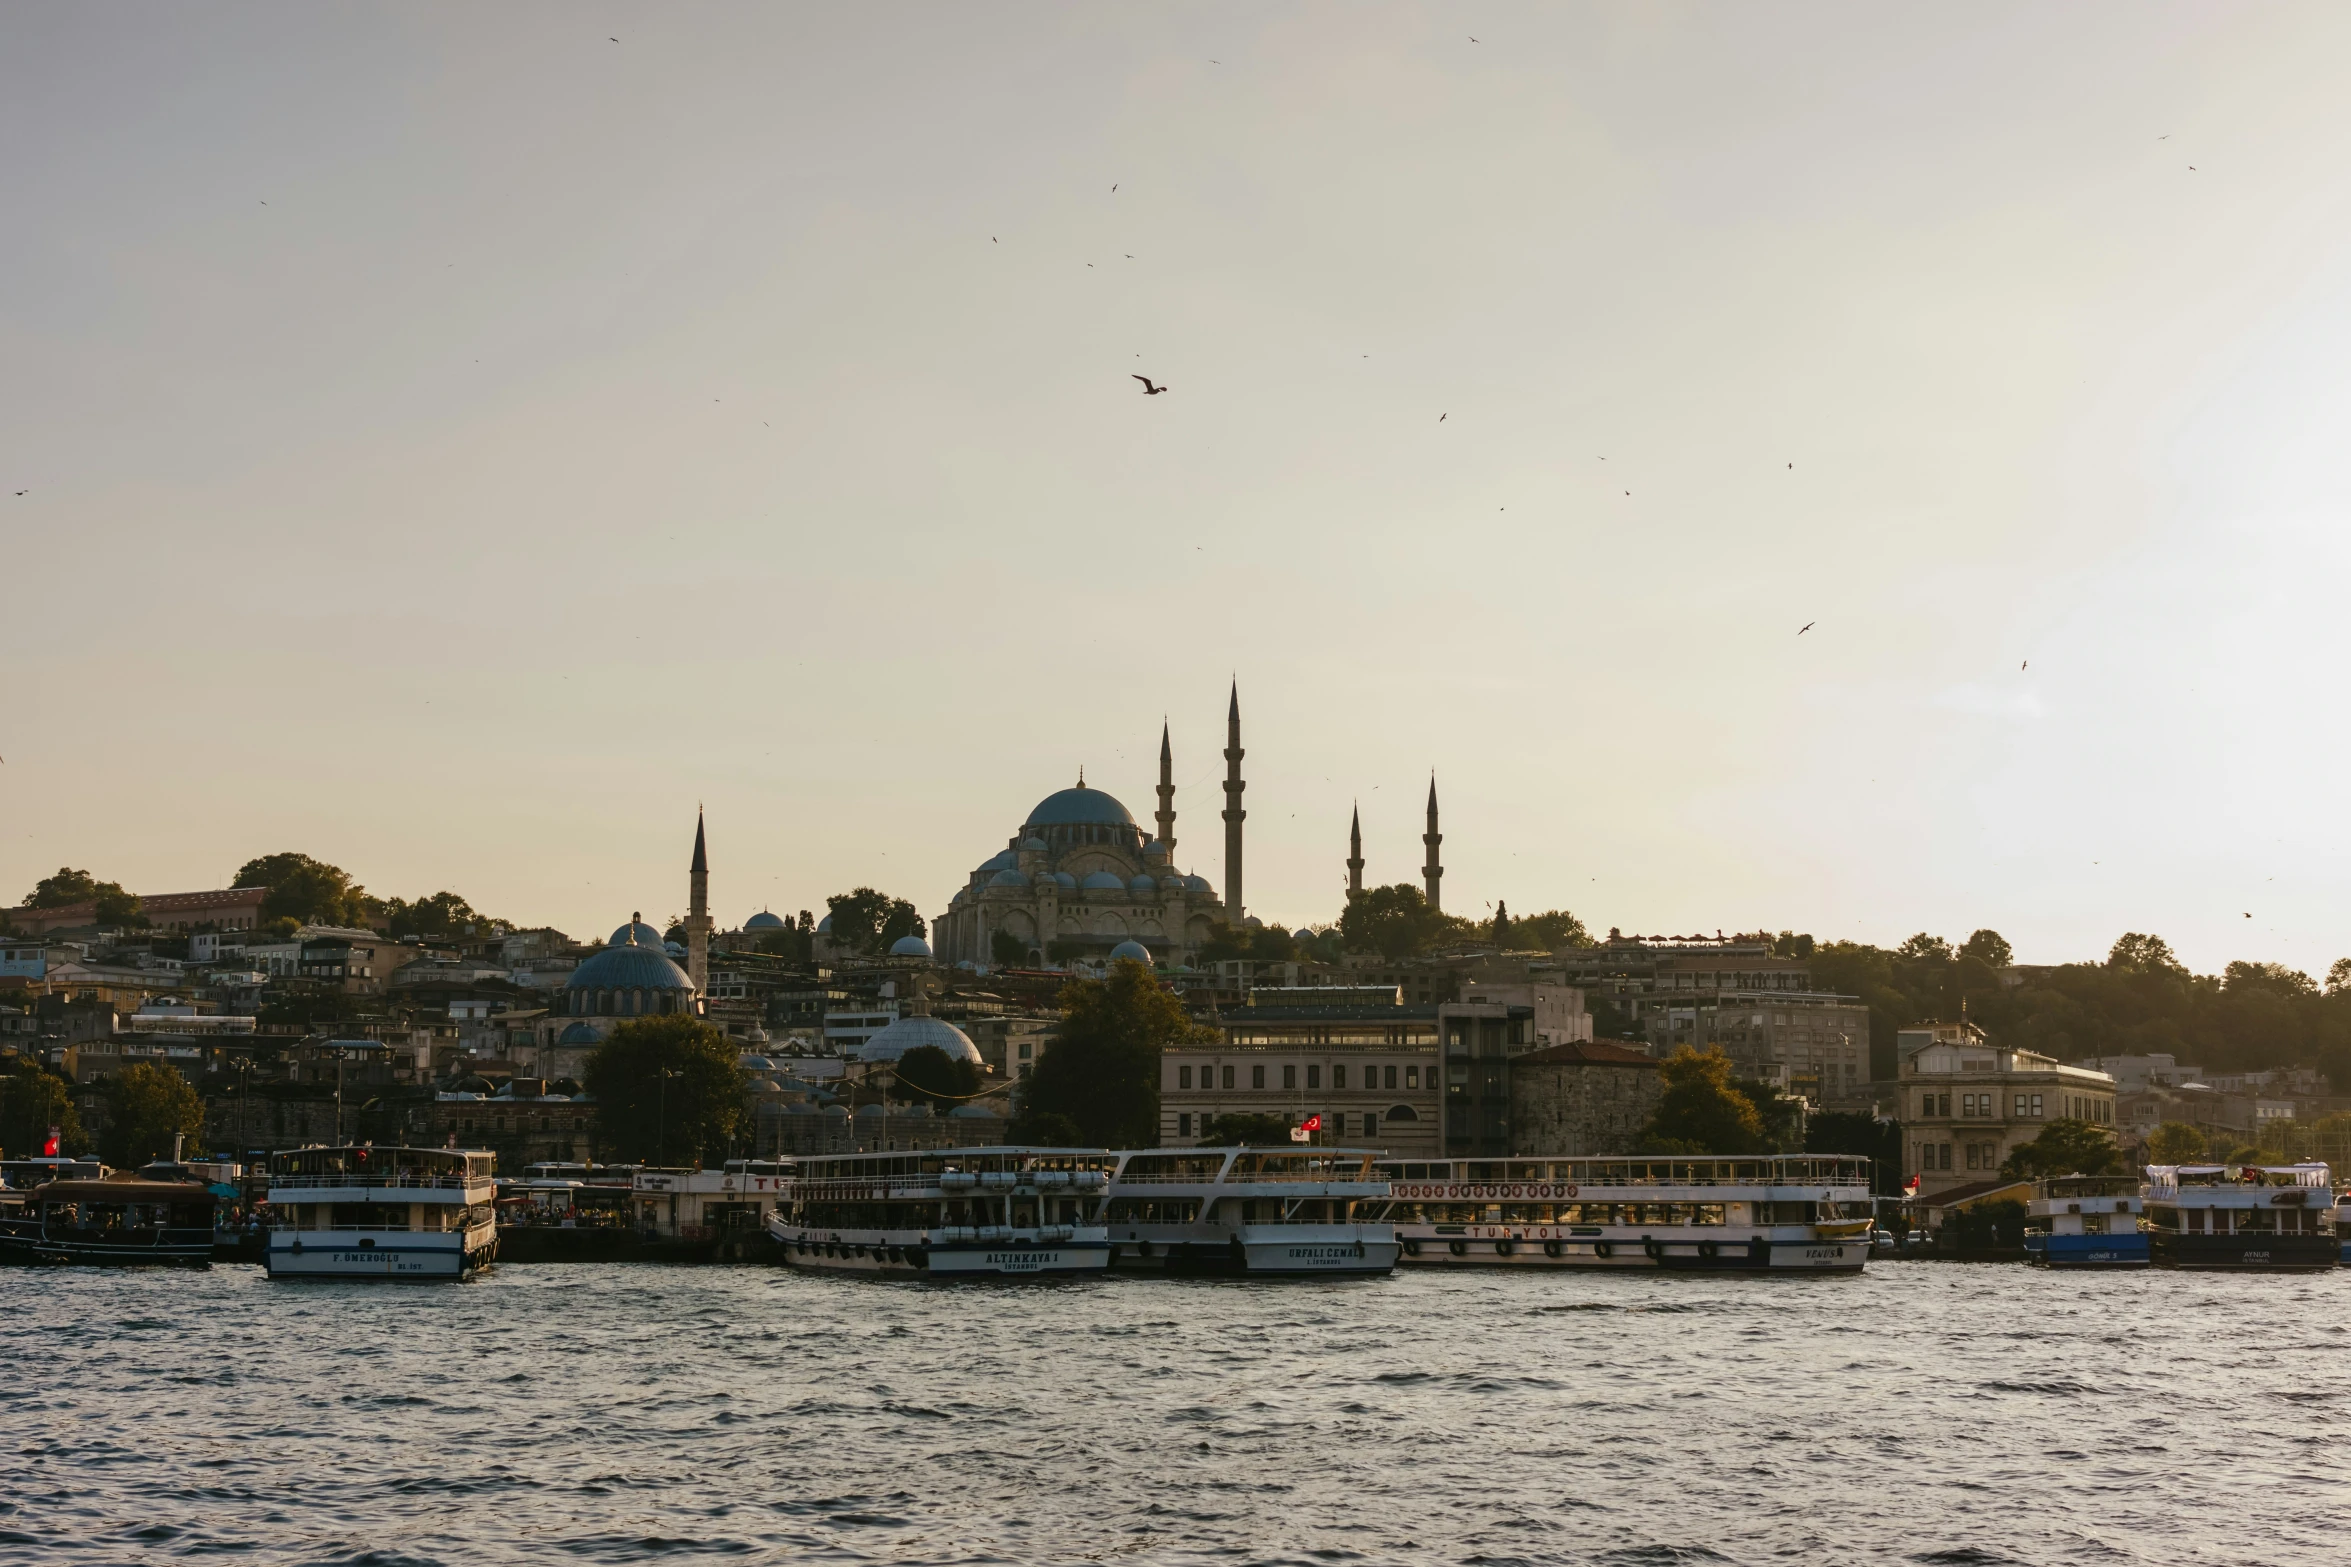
{"x":1503,"y":1248}
{"x":1458,"y":1248}
{"x":1653,"y":1249}
{"x":1603,"y":1249}
{"x":1707,"y":1249}
{"x":1411,"y":1248}
{"x":1143,"y":1248}
{"x":1552,"y":1248}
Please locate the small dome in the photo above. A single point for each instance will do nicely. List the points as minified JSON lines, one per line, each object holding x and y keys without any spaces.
{"x":1068,"y":882}
{"x":910,"y":947}
{"x":629,"y":968}
{"x":763,"y":920}
{"x":1133,"y":950}
{"x":1153,"y":849}
{"x":1302,"y":934}
{"x":674,"y":949}
{"x":1008,"y":878}
{"x":1002,"y":860}
{"x":888,"y":1044}
{"x":1143,"y":886}
{"x":1079,"y":807}
{"x":1254,"y":923}
{"x":824,"y":927}
{"x":1034,"y":845}
{"x":638,"y":932}
{"x":1173,"y":883}
{"x":1103,"y":881}
{"x":577,"y":1034}
{"x":1198,"y":884}
{"x":972,"y":1113}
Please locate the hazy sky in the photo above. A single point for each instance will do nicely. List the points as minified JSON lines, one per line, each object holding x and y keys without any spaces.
{"x":456,"y":444}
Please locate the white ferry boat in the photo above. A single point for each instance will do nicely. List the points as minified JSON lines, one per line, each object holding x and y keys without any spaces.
{"x":1780,"y":1214}
{"x":2266,"y":1217}
{"x":946,"y":1213}
{"x":2086,"y":1221}
{"x":1259,"y":1211}
{"x":2343,"y":1223}
{"x":363,"y":1212}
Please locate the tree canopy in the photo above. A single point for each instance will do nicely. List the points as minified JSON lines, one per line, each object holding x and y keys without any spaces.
{"x":146,"y":1107}
{"x":2175,"y":1142}
{"x":2065,"y":1147}
{"x":69,"y":887}
{"x":32,"y":1100}
{"x":669,"y":1090}
{"x":1395,"y":922}
{"x":868,"y":921}
{"x":1247,"y":1130}
{"x":438,"y":918}
{"x":306,"y":890}
{"x":930,"y":1076}
{"x":1102,"y":1070}
{"x":1702,"y":1110}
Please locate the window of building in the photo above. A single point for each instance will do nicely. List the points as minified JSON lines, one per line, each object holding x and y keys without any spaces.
{"x":1183,"y":1125}
{"x":1338,"y":1077}
{"x":1257,"y":1077}
{"x":1228,"y":1077}
{"x":1371,"y":1122}
{"x":1183,"y":1073}
{"x":1314,"y":1077}
{"x":1943,"y":1154}
{"x":1391,"y":1077}
{"x":1289,"y":1077}
{"x":1339,"y":1125}
{"x":1412,"y":1077}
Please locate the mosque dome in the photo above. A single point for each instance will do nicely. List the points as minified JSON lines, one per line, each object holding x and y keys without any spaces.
{"x":824,"y":927}
{"x":577,"y":1034}
{"x":1131,"y":949}
{"x":1001,"y":860}
{"x":628,"y":967}
{"x":908,"y":1033}
{"x":1068,"y":882}
{"x":1035,"y":845}
{"x":1302,"y":934}
{"x":910,"y":947}
{"x":1198,"y":884}
{"x":764,"y":920}
{"x":676,"y":949}
{"x":1008,"y":878}
{"x":638,"y":931}
{"x":1173,"y":883}
{"x":1142,"y":886}
{"x":1079,"y":807}
{"x":1103,"y":881}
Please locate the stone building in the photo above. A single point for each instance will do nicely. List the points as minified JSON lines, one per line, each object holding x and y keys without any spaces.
{"x":1356,"y":1056}
{"x":1580,"y":1099}
{"x":1967,"y":1103}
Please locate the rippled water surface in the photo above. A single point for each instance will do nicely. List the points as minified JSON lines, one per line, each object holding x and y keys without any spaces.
{"x":1925,"y":1412}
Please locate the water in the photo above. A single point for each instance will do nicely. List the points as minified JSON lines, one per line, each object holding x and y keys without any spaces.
{"x":1924,"y":1412}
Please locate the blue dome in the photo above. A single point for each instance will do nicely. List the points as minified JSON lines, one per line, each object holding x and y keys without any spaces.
{"x":910,"y":947}
{"x":1079,"y":807}
{"x":824,"y":927}
{"x":1302,"y":934}
{"x":1008,"y":878}
{"x":1001,"y":860}
{"x":1068,"y":882}
{"x":1142,"y":886}
{"x":893,"y":1041}
{"x":644,"y":934}
{"x":577,"y":1034}
{"x":1131,"y":949}
{"x":1173,"y":883}
{"x":764,"y":921}
{"x":629,"y":968}
{"x":1103,"y":881}
{"x":1198,"y":884}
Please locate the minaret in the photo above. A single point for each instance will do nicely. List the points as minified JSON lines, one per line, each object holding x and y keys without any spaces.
{"x":1432,"y":873}
{"x":1355,"y":855}
{"x":1166,"y":794}
{"x":1234,"y":909}
{"x":698,"y":913}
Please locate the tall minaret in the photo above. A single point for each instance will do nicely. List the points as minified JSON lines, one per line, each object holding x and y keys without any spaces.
{"x":1432,"y":873}
{"x":1166,"y":794}
{"x":1235,"y":910}
{"x":1355,"y":854}
{"x":698,"y":913}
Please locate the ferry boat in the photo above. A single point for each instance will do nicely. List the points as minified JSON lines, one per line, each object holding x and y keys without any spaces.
{"x":1258,"y":1211}
{"x":364,"y":1212}
{"x":1781,"y":1214}
{"x":2271,"y":1217}
{"x":2086,"y":1221}
{"x":946,"y":1213}
{"x":115,"y":1220}
{"x":2343,"y":1223}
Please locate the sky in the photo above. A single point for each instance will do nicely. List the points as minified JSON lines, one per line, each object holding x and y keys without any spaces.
{"x":457,"y":442}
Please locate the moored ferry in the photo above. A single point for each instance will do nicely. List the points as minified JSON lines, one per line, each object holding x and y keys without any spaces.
{"x":112,"y":1221}
{"x":946,"y":1213}
{"x":2343,"y":1223}
{"x":364,"y":1212}
{"x":2086,"y":1221}
{"x":2267,"y":1217}
{"x":1781,"y":1214}
{"x":1258,"y":1211}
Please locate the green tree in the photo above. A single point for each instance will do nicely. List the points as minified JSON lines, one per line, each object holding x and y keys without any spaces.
{"x":1923,"y":947}
{"x":2276,"y":978}
{"x":1853,"y":1132}
{"x":1006,"y":950}
{"x":307,"y":890}
{"x":1548,"y":931}
{"x":1263,"y":943}
{"x":1989,"y":948}
{"x":1045,"y":1129}
{"x":669,"y":1089}
{"x":1247,"y":1131}
{"x":928,"y":1075}
{"x":1702,"y":1111}
{"x":2175,"y":1142}
{"x":146,"y":1107}
{"x":2339,"y":976}
{"x":32,"y":1100}
{"x":2136,"y":953}
{"x":1394,"y":921}
{"x":868,"y":921}
{"x":1102,"y":1069}
{"x":114,"y":906}
{"x":437,"y":918}
{"x":1985,"y":1225}
{"x":2065,"y":1147}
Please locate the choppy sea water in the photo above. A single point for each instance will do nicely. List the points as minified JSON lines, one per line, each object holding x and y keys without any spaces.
{"x":1925,"y":1412}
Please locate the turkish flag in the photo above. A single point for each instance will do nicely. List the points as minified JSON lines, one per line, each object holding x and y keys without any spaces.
{"x":49,"y":1147}
{"x":1312,"y":1123}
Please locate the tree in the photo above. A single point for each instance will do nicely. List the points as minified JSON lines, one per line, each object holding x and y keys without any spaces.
{"x":1251,"y":1131}
{"x":1006,"y":950}
{"x":2275,"y":978}
{"x":68,"y":887}
{"x":146,"y":1107}
{"x":307,"y":890}
{"x":669,"y":1089}
{"x":437,"y":918}
{"x":1102,"y":1069}
{"x":868,"y":921}
{"x":928,"y":1075}
{"x":1923,"y":947}
{"x":2175,"y":1142}
{"x":1045,"y":1129}
{"x":32,"y":1100}
{"x":1854,"y":1132}
{"x":1989,"y":948}
{"x":1549,"y":931}
{"x":2065,"y":1147}
{"x":2338,"y":976}
{"x":1263,"y":943}
{"x":1394,"y":921}
{"x":2136,"y":953}
{"x":1702,"y":1112}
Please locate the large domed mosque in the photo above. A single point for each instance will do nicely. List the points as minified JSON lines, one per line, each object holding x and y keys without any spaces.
{"x":1082,"y":875}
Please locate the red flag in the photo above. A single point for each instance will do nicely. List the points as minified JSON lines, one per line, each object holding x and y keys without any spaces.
{"x":1312,"y":1123}
{"x":1911,"y":1190}
{"x":49,"y":1148}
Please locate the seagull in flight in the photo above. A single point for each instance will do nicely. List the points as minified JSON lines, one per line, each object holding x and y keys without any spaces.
{"x":1807,"y":626}
{"x":1148,"y":389}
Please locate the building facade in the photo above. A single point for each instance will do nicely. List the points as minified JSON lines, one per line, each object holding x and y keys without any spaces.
{"x":1967,"y":1103}
{"x":1580,"y":1100}
{"x":1363,"y":1061}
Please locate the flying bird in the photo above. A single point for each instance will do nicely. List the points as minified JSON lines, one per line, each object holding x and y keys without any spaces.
{"x":1440,"y":417}
{"x":1148,"y":389}
{"x":2027,"y":664}
{"x":616,"y":40}
{"x":1114,"y":190}
{"x":1800,"y":630}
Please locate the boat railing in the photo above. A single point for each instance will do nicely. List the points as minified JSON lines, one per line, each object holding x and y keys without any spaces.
{"x":384,"y":1182}
{"x":1260,"y":1178}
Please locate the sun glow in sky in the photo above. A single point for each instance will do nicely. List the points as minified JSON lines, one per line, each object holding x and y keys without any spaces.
{"x":454,"y":444}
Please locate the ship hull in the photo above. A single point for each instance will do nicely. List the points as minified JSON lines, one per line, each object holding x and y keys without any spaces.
{"x":1670,"y":1254}
{"x":2247,"y":1253}
{"x":416,"y":1257}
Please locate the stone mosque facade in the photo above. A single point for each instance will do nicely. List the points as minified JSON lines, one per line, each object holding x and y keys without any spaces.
{"x":1081,"y":877}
